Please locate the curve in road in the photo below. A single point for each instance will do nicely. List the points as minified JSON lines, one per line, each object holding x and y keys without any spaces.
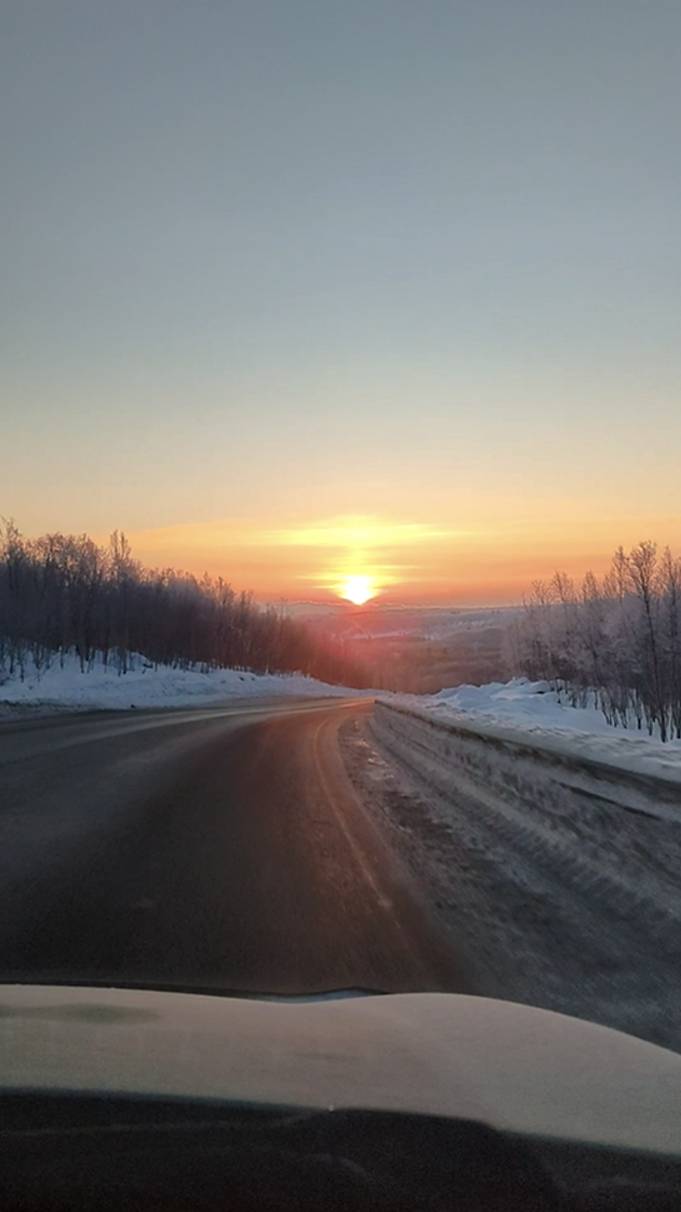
{"x":215,"y":848}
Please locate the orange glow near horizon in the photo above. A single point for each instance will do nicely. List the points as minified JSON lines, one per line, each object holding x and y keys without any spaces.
{"x":488,"y":559}
{"x":357,"y":589}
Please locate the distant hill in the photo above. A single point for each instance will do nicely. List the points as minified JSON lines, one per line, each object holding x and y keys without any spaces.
{"x":417,"y":648}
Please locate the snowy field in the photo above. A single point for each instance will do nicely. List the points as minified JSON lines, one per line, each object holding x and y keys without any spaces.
{"x":68,"y":689}
{"x":529,"y":703}
{"x":531,"y":712}
{"x":550,"y":856}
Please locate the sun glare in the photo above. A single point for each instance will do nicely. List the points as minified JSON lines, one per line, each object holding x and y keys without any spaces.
{"x":357,"y":589}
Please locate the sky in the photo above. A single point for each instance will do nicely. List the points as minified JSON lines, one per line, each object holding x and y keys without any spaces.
{"x":298,"y":291}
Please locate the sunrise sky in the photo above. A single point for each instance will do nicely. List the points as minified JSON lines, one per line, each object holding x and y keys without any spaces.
{"x":295,"y":291}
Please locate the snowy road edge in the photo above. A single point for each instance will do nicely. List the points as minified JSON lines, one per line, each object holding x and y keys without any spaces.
{"x":648,"y":788}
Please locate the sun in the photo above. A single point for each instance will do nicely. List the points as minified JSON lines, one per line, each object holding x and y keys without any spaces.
{"x":357,"y":589}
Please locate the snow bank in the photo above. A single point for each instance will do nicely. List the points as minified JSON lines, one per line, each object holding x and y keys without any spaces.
{"x":531,"y":767}
{"x":531,"y":714}
{"x":556,"y":875}
{"x":524,"y":702}
{"x":144,"y":686}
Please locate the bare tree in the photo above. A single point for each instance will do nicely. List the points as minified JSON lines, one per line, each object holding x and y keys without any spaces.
{"x":619,"y":640}
{"x":63,"y":593}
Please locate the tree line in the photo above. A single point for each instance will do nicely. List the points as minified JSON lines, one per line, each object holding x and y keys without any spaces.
{"x":63,"y":594}
{"x":615,"y":641}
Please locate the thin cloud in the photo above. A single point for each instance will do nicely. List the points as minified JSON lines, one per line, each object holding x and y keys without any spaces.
{"x":360,"y":532}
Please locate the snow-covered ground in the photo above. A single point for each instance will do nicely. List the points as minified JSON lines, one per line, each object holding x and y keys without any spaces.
{"x":522,"y":702}
{"x":67,"y":688}
{"x":552,"y":866}
{"x":531,"y":712}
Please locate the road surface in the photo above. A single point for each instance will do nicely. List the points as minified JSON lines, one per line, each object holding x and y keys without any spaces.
{"x":215,"y":848}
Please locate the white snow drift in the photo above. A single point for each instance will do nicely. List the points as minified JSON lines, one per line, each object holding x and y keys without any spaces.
{"x":532,"y":713}
{"x":65,"y":687}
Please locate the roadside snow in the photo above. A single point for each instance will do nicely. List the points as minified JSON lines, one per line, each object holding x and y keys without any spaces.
{"x":143,"y":686}
{"x":523,"y":702}
{"x":530,"y":713}
{"x":556,"y":881}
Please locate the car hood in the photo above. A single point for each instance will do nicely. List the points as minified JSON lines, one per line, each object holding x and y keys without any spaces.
{"x":513,"y":1067}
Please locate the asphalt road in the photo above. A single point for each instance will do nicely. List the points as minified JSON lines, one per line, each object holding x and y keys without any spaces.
{"x":213,"y":848}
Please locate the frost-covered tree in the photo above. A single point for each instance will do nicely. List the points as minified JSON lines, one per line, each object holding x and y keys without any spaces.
{"x":616,"y":641}
{"x":64,"y":593}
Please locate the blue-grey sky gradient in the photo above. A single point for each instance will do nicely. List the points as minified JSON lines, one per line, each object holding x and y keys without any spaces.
{"x":312,"y":259}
